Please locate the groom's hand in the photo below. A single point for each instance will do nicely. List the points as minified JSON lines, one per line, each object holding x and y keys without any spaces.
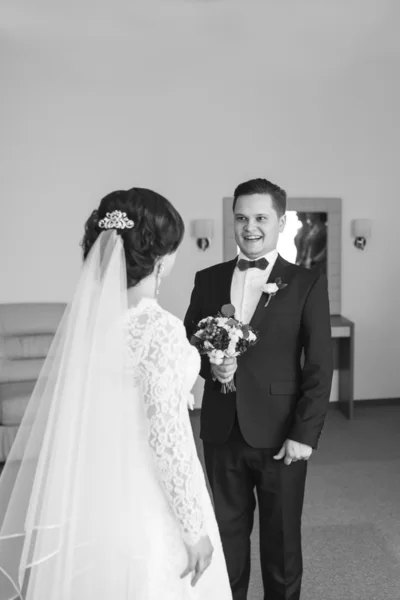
{"x":225,"y":371}
{"x":292,"y":451}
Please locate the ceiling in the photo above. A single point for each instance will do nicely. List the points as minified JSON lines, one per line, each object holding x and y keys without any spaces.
{"x":301,"y":36}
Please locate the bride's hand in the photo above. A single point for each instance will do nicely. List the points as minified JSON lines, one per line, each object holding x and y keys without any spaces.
{"x":200,"y":556}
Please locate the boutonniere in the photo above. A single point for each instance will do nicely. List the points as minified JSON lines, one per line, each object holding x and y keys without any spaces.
{"x":272,"y":288}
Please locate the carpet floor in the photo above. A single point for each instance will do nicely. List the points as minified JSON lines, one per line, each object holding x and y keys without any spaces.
{"x":351,"y":518}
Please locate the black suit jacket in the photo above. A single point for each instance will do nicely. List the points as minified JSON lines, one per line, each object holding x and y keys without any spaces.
{"x":283,"y":383}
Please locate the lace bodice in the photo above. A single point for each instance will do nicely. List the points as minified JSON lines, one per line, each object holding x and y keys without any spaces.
{"x":166,"y":366}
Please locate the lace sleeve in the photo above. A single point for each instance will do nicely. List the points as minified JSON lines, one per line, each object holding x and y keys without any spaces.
{"x":162,"y":369}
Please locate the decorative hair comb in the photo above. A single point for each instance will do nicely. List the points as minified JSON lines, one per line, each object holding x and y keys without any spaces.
{"x":116,"y":220}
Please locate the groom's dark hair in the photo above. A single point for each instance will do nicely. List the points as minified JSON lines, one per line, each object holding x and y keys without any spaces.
{"x":262,"y":186}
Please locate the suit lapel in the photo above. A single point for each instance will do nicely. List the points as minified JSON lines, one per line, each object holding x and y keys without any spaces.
{"x":280,"y":269}
{"x":225,"y":281}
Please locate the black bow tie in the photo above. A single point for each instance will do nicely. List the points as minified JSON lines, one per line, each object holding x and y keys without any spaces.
{"x":261,"y":263}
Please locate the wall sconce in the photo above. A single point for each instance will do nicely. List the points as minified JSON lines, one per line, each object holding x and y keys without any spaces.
{"x":203,"y":232}
{"x":361,"y":231}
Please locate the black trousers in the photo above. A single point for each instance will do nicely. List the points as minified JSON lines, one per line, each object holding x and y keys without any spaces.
{"x":235,"y":471}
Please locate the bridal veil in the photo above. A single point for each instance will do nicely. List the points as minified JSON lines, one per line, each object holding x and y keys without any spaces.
{"x":76,"y":482}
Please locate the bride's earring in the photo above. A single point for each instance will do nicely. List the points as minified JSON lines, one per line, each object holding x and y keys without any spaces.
{"x":159,"y":274}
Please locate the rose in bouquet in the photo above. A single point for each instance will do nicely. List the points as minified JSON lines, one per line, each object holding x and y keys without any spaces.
{"x":223,"y":336}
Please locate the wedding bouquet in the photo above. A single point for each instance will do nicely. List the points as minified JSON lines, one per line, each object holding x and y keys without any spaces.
{"x":223,"y":336}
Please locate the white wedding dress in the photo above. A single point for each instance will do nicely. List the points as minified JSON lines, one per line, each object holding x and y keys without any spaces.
{"x":103,"y":486}
{"x":166,"y":367}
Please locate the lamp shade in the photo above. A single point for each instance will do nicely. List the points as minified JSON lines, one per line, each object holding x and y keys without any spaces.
{"x":203,"y":228}
{"x":361,"y":228}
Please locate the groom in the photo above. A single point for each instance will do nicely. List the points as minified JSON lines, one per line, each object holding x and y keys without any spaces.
{"x":259,"y":438}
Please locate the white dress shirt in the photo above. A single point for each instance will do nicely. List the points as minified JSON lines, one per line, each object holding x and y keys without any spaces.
{"x":246,"y":287}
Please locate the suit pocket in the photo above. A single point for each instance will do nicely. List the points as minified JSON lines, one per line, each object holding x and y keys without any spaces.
{"x":284,"y":388}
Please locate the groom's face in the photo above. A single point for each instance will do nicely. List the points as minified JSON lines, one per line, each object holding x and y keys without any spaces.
{"x":257,"y":225}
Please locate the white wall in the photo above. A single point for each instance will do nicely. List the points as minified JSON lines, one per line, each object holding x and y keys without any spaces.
{"x":190,"y":98}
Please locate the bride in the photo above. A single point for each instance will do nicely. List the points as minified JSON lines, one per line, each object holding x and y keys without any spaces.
{"x":103,"y":496}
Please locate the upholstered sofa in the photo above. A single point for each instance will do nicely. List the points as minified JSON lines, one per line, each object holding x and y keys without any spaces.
{"x":26,"y":333}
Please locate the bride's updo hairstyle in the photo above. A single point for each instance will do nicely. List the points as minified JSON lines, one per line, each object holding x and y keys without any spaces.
{"x":158,"y":229}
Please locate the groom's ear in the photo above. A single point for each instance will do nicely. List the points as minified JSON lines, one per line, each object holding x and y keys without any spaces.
{"x":282,"y":223}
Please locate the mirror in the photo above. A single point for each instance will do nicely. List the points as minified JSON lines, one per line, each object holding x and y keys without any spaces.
{"x":304,"y":239}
